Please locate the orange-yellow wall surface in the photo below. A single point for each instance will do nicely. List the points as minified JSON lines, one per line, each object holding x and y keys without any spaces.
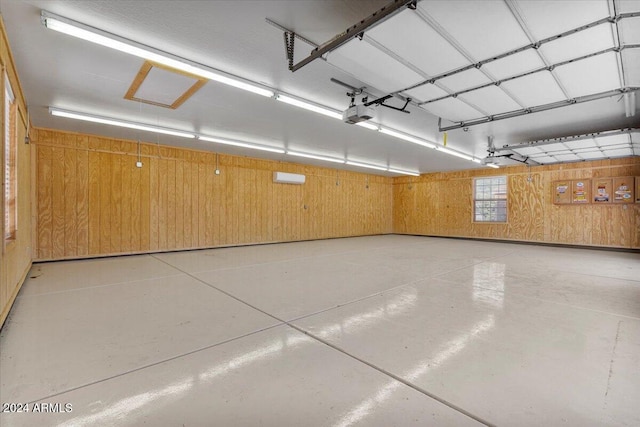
{"x":92,"y":200}
{"x":441,"y":204}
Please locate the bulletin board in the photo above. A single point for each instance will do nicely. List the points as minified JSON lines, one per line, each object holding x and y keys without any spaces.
{"x":581,"y":191}
{"x":623,"y":189}
{"x":602,"y":190}
{"x":562,"y":192}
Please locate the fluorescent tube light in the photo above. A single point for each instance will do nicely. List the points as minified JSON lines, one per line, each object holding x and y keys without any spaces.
{"x":366,"y":125}
{"x":401,"y":172}
{"x":406,"y":137}
{"x":115,"y":122}
{"x":94,"y":35}
{"x":313,"y":156}
{"x":491,"y":165}
{"x":455,"y":153}
{"x":474,"y":160}
{"x":241,"y":144}
{"x":308,"y":106}
{"x":364,"y":165}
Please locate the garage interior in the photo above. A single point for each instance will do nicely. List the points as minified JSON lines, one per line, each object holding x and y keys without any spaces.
{"x":338,"y":213}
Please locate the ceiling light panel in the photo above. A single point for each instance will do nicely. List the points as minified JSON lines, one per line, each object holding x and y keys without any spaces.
{"x":491,"y":100}
{"x":366,"y":165}
{"x":452,"y":109}
{"x":225,"y":141}
{"x":469,"y":22}
{"x":426,"y":92}
{"x":117,"y":122}
{"x":94,"y":35}
{"x":579,"y":44}
{"x":465,"y":80}
{"x":629,"y":30}
{"x":546,"y":18}
{"x":315,"y":157}
{"x":513,"y":65}
{"x":407,"y":35}
{"x":535,"y":89}
{"x":631,"y":61}
{"x":371,"y":65}
{"x":309,"y":106}
{"x":406,"y":137}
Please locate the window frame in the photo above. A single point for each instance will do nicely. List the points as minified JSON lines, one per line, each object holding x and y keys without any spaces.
{"x":10,"y":163}
{"x":492,"y":199}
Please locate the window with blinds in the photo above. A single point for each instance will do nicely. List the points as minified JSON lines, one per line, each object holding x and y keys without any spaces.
{"x":490,"y":199}
{"x":10,"y":164}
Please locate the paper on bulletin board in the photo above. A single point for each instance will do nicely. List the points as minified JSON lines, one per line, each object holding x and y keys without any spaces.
{"x":602,"y":190}
{"x":623,"y":189}
{"x":562,"y":192}
{"x":581,"y":189}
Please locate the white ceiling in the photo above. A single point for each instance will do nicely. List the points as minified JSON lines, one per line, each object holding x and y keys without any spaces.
{"x":232,"y":36}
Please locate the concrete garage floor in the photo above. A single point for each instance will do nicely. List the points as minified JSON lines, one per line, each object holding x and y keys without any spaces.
{"x":376,"y":331}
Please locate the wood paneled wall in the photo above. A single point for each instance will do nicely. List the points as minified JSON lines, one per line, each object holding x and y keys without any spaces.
{"x":15,"y":255}
{"x":92,"y":200}
{"x":440,"y":204}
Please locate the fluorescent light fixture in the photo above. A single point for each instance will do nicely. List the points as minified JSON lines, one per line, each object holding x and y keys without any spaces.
{"x":309,"y":106}
{"x":94,"y":35}
{"x":474,"y":160}
{"x":313,"y":156}
{"x":491,"y":165}
{"x":116,"y":122}
{"x":366,"y":125}
{"x":364,"y":165}
{"x":401,"y":172}
{"x":241,"y":144}
{"x":406,"y":137}
{"x":455,"y":153}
